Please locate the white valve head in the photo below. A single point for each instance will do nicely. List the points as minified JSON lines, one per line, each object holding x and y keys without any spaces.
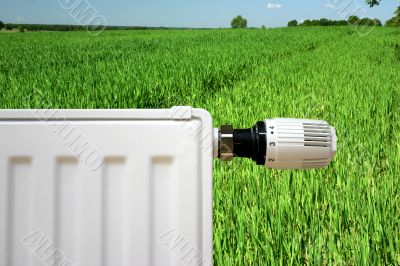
{"x":299,"y":143}
{"x":280,"y":143}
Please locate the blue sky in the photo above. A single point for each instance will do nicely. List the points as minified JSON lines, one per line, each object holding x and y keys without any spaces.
{"x":190,"y":13}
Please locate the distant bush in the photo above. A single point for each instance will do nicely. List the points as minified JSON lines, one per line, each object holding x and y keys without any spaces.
{"x":239,"y":23}
{"x":55,"y":27}
{"x":1,"y":24}
{"x":356,"y":21}
{"x":394,"y":21}
{"x":377,"y":22}
{"x":397,"y":13}
{"x":293,"y":23}
{"x":324,"y":22}
{"x":353,"y":20}
{"x":369,"y":22}
{"x":21,"y":29}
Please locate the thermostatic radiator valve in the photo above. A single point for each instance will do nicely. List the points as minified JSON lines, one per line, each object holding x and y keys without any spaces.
{"x":280,"y":143}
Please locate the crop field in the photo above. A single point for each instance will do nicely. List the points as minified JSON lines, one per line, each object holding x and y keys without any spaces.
{"x":348,"y":214}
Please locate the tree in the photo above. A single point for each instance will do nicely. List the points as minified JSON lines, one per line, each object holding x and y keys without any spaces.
{"x":353,"y":20}
{"x":1,"y":24}
{"x":397,"y":13}
{"x":372,"y":3}
{"x":366,"y":22}
{"x":293,"y":23}
{"x":377,"y":22}
{"x":394,"y":21}
{"x":239,"y":23}
{"x":324,"y":22}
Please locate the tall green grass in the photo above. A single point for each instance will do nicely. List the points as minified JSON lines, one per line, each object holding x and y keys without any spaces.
{"x":347,"y":214}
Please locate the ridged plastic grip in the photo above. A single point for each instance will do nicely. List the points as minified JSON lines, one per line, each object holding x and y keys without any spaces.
{"x":299,"y":143}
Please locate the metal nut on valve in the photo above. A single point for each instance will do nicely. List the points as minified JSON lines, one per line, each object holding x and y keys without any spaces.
{"x":225,"y":148}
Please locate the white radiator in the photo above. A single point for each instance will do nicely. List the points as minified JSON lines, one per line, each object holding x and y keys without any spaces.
{"x":106,"y":187}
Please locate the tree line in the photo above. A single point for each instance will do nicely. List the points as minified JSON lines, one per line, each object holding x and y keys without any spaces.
{"x":55,"y":27}
{"x":353,"y":20}
{"x":240,"y":22}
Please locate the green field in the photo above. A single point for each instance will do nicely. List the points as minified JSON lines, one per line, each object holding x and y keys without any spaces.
{"x":345,"y":215}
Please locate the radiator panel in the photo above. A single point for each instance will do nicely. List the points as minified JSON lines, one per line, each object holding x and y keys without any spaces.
{"x":106,"y":187}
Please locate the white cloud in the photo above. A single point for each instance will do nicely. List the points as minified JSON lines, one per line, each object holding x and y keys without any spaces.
{"x":273,"y":6}
{"x":329,"y":5}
